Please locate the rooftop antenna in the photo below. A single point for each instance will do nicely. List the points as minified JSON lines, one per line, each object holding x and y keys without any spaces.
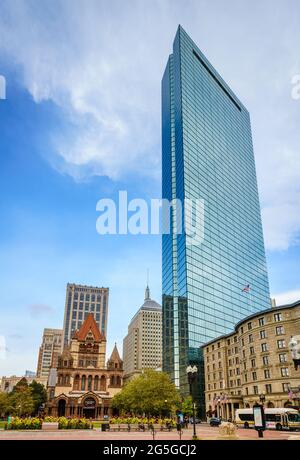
{"x":147,"y":292}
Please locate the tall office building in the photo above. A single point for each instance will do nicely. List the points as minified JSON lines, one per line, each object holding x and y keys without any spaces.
{"x":142,"y":346}
{"x":49,"y":351}
{"x":80,"y":301}
{"x":207,"y":154}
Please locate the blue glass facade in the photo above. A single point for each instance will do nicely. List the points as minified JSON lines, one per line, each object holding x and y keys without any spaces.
{"x":207,"y":154}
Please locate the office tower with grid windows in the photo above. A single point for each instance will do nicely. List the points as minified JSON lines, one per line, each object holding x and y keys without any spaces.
{"x":142,"y":346}
{"x":80,"y":301}
{"x":49,"y":351}
{"x":207,"y":154}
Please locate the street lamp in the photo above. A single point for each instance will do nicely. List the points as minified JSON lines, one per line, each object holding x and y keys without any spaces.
{"x":262,"y":398}
{"x":192,"y":375}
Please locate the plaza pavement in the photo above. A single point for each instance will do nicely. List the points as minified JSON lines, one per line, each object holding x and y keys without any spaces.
{"x":204,"y":432}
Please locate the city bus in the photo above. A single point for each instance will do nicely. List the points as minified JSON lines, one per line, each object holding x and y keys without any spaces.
{"x":276,"y":418}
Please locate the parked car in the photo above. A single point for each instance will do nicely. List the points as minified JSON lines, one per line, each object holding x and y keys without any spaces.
{"x":215,"y":421}
{"x":197,"y":420}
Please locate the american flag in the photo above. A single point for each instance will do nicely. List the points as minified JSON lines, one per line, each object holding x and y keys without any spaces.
{"x":246,"y":288}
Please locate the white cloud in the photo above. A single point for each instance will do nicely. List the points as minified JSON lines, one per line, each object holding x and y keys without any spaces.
{"x":40,"y":309}
{"x":101,"y":63}
{"x":287,"y":297}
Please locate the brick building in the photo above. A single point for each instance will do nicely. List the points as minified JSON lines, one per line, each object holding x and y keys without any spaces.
{"x":254,"y":362}
{"x":82,"y":385}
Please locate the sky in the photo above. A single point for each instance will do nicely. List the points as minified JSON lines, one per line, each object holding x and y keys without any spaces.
{"x":81,"y":121}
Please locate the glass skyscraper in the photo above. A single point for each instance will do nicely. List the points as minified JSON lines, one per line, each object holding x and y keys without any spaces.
{"x":207,"y":154}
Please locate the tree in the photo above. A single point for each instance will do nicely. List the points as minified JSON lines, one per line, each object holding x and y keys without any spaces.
{"x":3,"y":403}
{"x":187,"y":406}
{"x":39,"y":395}
{"x":20,"y":400}
{"x":151,"y":393}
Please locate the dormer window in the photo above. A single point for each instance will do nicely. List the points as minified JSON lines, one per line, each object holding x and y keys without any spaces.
{"x":89,"y":337}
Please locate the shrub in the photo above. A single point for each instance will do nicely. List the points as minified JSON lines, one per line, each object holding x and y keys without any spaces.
{"x":51,"y":419}
{"x":73,"y":424}
{"x":24,"y":424}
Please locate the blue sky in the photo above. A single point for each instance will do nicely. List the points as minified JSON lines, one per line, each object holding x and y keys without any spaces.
{"x":81,"y":121}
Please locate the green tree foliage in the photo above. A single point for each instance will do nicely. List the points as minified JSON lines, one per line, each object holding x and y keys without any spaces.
{"x":152,"y":393}
{"x":20,"y":399}
{"x":3,"y":403}
{"x":187,"y":406}
{"x":24,"y":399}
{"x":39,"y":395}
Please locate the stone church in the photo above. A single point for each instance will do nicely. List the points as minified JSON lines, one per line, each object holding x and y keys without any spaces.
{"x":82,"y":385}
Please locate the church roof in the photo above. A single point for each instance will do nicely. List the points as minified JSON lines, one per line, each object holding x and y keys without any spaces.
{"x":88,"y":325}
{"x":66,"y":353}
{"x":115,"y":357}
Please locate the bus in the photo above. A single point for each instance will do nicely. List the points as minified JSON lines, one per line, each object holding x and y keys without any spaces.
{"x":276,"y":418}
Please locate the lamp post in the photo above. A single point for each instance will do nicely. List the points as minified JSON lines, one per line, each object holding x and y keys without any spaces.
{"x":192,"y":374}
{"x":166,"y":403}
{"x":262,"y":398}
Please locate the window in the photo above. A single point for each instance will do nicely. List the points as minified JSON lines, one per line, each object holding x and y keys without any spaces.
{"x":254,"y":376}
{"x":264,"y":347}
{"x":249,"y":326}
{"x":250,"y":338}
{"x":285,"y":387}
{"x":278,"y":317}
{"x":252,"y":362}
{"x":262,"y":334}
{"x":243,"y":343}
{"x":261,"y":321}
{"x":247,"y":391}
{"x":251,"y":350}
{"x":242,"y":330}
{"x":281,"y":343}
{"x":268,"y":388}
{"x":255,"y":389}
{"x":282,"y":358}
{"x":267,"y":373}
{"x":265,"y":360}
{"x":284,"y":371}
{"x":279,"y":330}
